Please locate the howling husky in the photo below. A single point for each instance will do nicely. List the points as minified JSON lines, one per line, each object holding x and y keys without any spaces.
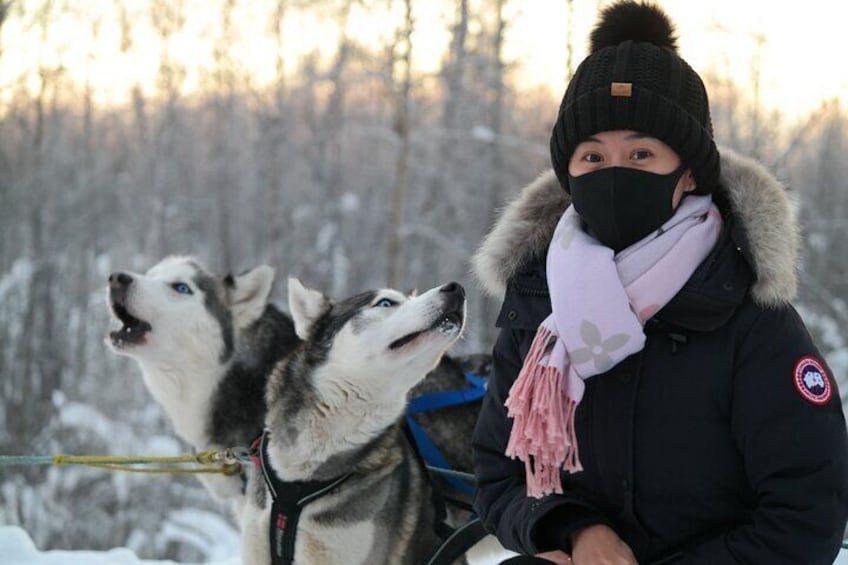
{"x":334,"y":435}
{"x":207,"y":344}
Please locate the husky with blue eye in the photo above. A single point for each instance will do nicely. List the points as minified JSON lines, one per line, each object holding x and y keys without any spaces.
{"x":205,"y":345}
{"x":335,"y":406}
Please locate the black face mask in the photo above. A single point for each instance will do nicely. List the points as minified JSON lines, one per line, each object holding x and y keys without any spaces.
{"x":621,"y":205}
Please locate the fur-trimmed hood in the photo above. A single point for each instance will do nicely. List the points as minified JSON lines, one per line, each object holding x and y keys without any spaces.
{"x":758,"y":201}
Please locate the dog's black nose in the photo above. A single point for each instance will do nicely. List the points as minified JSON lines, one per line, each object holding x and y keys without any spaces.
{"x":453,"y":287}
{"x":119,"y":280}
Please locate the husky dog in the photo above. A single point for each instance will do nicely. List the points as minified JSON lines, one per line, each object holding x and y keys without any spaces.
{"x":334,"y":410}
{"x":206,"y":346}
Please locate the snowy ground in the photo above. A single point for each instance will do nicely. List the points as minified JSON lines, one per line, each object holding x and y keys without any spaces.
{"x":16,"y":548}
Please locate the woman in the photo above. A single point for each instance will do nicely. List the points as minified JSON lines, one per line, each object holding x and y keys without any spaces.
{"x":655,"y":398}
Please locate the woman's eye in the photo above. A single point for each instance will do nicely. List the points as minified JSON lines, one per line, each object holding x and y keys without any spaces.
{"x":182,"y":288}
{"x":592,"y":158}
{"x":385,"y":303}
{"x":641,"y":154}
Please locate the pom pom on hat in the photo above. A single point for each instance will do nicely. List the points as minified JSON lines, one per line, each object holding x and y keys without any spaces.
{"x":634,"y":79}
{"x":634,"y":21}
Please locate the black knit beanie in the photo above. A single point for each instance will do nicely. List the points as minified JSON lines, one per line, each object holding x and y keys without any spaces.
{"x":634,"y":79}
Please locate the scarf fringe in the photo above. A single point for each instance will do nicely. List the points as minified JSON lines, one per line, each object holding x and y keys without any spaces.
{"x":543,"y":434}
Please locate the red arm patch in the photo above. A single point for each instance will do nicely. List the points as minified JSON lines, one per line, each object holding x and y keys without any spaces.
{"x":812,"y":381}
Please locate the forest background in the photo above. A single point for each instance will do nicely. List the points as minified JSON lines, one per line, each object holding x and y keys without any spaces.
{"x":351,"y":143}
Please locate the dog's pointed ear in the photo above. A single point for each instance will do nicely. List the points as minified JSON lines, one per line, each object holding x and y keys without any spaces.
{"x":249,"y":294}
{"x":306,"y":306}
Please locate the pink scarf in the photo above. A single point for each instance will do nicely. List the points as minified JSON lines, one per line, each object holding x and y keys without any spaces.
{"x":600,"y":302}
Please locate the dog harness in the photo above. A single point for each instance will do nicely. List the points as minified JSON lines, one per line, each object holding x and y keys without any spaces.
{"x":425,"y":446}
{"x":288,"y":500}
{"x":290,"y":497}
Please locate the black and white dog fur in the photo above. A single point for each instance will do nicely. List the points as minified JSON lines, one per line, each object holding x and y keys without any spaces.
{"x":334,"y":407}
{"x":207,"y":345}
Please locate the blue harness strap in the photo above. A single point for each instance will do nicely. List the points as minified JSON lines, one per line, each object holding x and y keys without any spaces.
{"x":445,"y":399}
{"x":436,"y":401}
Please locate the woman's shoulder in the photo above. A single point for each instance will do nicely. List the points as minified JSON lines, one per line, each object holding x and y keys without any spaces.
{"x":526,"y":300}
{"x":775,"y":335}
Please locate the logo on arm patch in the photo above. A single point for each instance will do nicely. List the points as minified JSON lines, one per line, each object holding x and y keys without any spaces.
{"x":812,"y":381}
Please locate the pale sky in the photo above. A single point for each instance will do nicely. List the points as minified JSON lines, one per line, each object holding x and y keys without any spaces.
{"x":801,"y":60}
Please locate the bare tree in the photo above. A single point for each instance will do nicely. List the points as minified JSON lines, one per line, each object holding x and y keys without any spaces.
{"x":401,"y":60}
{"x":272,"y":143}
{"x":222,"y":158}
{"x":39,"y":368}
{"x":5,"y":7}
{"x":756,"y":96}
{"x":168,"y":18}
{"x":569,"y":42}
{"x":439,"y":204}
{"x":494,"y":155}
{"x":325,"y":155}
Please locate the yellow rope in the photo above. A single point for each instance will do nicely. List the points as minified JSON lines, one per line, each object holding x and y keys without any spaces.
{"x":225,"y":470}
{"x":123,"y":463}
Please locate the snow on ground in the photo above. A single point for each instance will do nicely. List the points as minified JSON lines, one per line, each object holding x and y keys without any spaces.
{"x":16,"y":548}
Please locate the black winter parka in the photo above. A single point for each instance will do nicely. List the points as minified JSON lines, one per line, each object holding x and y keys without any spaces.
{"x":703,"y":448}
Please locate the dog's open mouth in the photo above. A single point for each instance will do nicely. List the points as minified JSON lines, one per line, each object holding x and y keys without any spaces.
{"x":133,"y":330}
{"x":449,"y":323}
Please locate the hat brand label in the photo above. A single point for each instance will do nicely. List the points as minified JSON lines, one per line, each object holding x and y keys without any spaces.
{"x":622,"y":89}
